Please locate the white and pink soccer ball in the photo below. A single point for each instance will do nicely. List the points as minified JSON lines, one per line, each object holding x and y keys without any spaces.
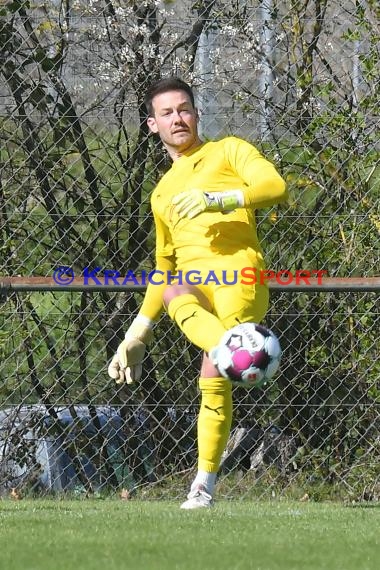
{"x":248,"y":355}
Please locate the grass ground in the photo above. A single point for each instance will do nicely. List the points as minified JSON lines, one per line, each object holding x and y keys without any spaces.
{"x":118,"y":535}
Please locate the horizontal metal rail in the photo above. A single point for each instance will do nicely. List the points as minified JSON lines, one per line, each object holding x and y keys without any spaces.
{"x":78,"y":284}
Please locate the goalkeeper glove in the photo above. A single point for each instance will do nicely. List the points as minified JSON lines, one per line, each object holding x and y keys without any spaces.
{"x":126,"y":365}
{"x":190,"y":203}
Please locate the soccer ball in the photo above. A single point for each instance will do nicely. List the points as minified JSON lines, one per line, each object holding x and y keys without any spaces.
{"x":248,"y":355}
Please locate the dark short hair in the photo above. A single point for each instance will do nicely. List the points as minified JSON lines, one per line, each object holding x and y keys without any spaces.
{"x":164,"y":85}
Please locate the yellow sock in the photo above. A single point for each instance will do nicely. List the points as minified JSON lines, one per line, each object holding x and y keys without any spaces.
{"x":214,"y":422}
{"x":201,"y":327}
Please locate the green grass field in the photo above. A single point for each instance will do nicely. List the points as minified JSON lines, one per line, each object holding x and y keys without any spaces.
{"x":111,"y":534}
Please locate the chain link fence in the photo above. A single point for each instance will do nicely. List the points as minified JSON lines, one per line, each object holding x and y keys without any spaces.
{"x":300,"y":80}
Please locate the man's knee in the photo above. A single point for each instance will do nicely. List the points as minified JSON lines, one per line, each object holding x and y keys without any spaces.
{"x":176,"y":290}
{"x":208,"y":370}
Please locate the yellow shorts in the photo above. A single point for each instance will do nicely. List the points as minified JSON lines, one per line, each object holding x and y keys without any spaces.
{"x":238,"y":303}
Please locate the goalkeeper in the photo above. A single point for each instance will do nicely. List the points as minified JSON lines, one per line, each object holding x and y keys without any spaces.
{"x":204,"y":213}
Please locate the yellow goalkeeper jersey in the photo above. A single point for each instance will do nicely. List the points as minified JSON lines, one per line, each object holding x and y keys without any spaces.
{"x":215,"y":240}
{"x":221,"y":242}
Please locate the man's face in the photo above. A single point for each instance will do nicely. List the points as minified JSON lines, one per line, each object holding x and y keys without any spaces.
{"x":175,"y":120}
